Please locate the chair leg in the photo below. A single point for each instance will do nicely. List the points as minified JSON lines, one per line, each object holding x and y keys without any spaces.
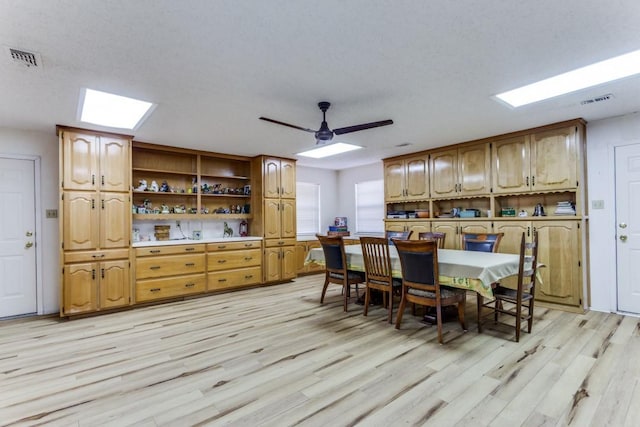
{"x":439,"y":322}
{"x":530,"y":320}
{"x":324,"y":291}
{"x":461,"y":315}
{"x":479,"y":302}
{"x":346,"y":294}
{"x":518,"y":321}
{"x":390,"y":303}
{"x":403,"y":302}
{"x":367,"y":297}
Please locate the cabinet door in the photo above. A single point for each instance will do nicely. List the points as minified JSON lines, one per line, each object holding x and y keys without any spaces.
{"x":418,"y":227}
{"x":444,"y":173}
{"x":114,"y":164}
{"x":80,"y":161}
{"x":287,"y":179}
{"x":452,"y":241}
{"x":114,"y":220}
{"x":80,"y":220}
{"x":288,"y":258}
{"x":114,"y":284}
{"x":301,"y":256}
{"x":80,"y":288}
{"x":394,"y":177}
{"x":288,"y":218}
{"x":272,"y":264}
{"x":473,"y":227}
{"x":395,"y":226}
{"x":272,"y":219}
{"x":474,"y":170}
{"x":559,"y":251}
{"x":271,"y":177}
{"x":511,"y":165}
{"x":417,"y":178}
{"x":554,"y":160}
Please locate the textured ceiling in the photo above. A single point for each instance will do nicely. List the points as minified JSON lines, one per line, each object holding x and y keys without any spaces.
{"x":214,"y":67}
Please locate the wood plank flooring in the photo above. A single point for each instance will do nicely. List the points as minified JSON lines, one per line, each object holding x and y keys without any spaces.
{"x":274,"y":356}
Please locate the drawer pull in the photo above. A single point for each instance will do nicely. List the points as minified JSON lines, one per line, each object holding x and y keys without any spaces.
{"x":189,"y":285}
{"x":190,"y":249}
{"x":222,"y":246}
{"x":222,"y":261}
{"x":98,"y":256}
{"x":248,"y":245}
{"x":154,"y":251}
{"x":281,"y":243}
{"x":248,"y":276}
{"x":154,"y":290}
{"x":222,"y":280}
{"x":189,"y":264}
{"x":155,"y":267}
{"x":248,"y":258}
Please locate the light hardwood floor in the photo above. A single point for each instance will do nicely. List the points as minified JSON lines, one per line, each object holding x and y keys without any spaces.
{"x":274,"y":356}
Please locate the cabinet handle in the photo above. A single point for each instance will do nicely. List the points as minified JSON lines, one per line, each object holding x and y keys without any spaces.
{"x":248,"y":245}
{"x":154,"y":267}
{"x":93,"y":274}
{"x":189,"y":264}
{"x":527,"y":181}
{"x":221,"y":246}
{"x":154,"y":251}
{"x":154,"y":290}
{"x":93,"y":203}
{"x":528,"y":231}
{"x":97,"y":256}
{"x":222,"y":261}
{"x":102,"y":180}
{"x":93,"y":179}
{"x":189,"y":285}
{"x":222,"y":280}
{"x":102,"y":273}
{"x":190,"y":249}
{"x":102,"y":204}
{"x":248,"y":258}
{"x":533,"y":181}
{"x":248,"y":276}
{"x":281,"y":242}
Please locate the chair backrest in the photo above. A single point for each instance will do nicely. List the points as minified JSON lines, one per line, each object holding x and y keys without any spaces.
{"x":528,"y":264}
{"x":481,"y":242}
{"x":399,"y":235}
{"x":419,"y":262}
{"x":377,"y":262}
{"x":433,"y":235}
{"x":334,"y":256}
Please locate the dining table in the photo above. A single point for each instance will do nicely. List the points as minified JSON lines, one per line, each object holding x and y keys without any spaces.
{"x":470,"y":270}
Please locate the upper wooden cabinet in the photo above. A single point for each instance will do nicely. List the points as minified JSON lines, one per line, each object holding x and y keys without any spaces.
{"x":406,"y":179}
{"x":461,"y":171}
{"x":95,"y":161}
{"x":279,"y":178}
{"x":537,"y":162}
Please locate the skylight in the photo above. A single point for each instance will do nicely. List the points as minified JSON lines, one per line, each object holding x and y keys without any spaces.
{"x":106,"y":109}
{"x":329,"y":150}
{"x":581,"y":78}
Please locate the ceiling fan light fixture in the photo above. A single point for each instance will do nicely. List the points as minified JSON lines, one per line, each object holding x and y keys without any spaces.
{"x":329,"y":150}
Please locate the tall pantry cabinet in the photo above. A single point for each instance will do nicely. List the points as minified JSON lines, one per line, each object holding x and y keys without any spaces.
{"x":95,"y":220}
{"x":274,"y":205}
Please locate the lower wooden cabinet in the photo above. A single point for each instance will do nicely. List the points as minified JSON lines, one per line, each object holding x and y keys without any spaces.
{"x":280,"y":260}
{"x":93,"y":281}
{"x":454,"y":230}
{"x":302,"y":249}
{"x":233,"y":265}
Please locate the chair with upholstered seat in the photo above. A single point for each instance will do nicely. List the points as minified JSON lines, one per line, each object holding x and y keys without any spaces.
{"x":482,"y":242}
{"x":419,"y":262}
{"x":336,"y":270}
{"x":433,"y":235}
{"x":401,"y":235}
{"x":378,"y":273}
{"x":518,"y":302}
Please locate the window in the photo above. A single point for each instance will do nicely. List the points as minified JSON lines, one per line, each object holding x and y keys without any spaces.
{"x":369,"y":207}
{"x":307,"y":208}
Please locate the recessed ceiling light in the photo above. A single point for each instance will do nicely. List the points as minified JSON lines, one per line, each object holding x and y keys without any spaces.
{"x":106,"y":109}
{"x":591,"y":75}
{"x":329,"y":150}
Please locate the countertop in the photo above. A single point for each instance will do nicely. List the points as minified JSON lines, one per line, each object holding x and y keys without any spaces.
{"x":192,"y":242}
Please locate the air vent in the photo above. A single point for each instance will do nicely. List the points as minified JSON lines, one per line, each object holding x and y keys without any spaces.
{"x":403,"y":144}
{"x":600,"y":98}
{"x":25,"y":58}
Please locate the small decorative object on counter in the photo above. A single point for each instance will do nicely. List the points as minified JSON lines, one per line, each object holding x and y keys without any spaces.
{"x":228,"y":232}
{"x":243,"y":230}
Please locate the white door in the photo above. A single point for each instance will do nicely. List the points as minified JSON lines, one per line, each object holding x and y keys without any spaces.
{"x":17,"y":237}
{"x":628,"y":226}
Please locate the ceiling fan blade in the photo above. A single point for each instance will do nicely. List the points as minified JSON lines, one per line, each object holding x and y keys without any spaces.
{"x":287,"y":124}
{"x":363,"y":126}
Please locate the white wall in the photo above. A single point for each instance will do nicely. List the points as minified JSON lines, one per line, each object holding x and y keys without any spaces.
{"x":602,"y":138}
{"x":45,"y":146}
{"x":347,"y":179}
{"x":328,"y":180}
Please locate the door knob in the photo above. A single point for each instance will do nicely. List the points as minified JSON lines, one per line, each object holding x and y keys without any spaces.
{"x":28,"y":245}
{"x":623,"y":238}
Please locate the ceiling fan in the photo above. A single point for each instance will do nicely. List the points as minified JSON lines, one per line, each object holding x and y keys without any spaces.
{"x":325,"y":134}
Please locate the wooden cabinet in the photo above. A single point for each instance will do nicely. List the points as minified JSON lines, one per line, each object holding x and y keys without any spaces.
{"x":234,"y":264}
{"x":406,"y":179}
{"x":415,"y":226}
{"x":279,"y":177}
{"x":95,"y":220}
{"x":541,"y":161}
{"x":169,"y":271}
{"x":461,"y":171}
{"x":279,"y":218}
{"x":302,"y":250}
{"x":454,"y":230}
{"x":279,"y":260}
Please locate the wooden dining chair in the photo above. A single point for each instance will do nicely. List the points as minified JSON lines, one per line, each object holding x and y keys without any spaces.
{"x":336,"y":270}
{"x":519,"y":302}
{"x":419,"y":263}
{"x":482,"y":242}
{"x":401,"y":235}
{"x":433,"y":235}
{"x":378,"y":273}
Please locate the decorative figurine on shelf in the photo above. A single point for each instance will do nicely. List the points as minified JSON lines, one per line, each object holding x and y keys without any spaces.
{"x":164,"y":188}
{"x":154,"y":186}
{"x":194,"y":185}
{"x":228,"y":232}
{"x":142,"y":185}
{"x":165,"y":209}
{"x":243,"y":230}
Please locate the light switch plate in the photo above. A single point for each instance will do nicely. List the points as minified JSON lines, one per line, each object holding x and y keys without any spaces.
{"x":52,"y":213}
{"x":597,"y":204}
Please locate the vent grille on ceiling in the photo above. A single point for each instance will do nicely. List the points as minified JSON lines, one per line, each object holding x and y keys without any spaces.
{"x":25,"y":58}
{"x":600,"y":98}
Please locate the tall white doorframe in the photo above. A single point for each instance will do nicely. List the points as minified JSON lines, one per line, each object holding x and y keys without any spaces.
{"x":38,"y":224}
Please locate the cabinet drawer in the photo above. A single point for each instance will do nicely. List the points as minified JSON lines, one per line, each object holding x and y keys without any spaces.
{"x":273,"y":243}
{"x":149,"y":267}
{"x":225,"y":246}
{"x":234,"y":278}
{"x":169,"y":250}
{"x":84,"y":256}
{"x":168,"y":287}
{"x":217,"y":261}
